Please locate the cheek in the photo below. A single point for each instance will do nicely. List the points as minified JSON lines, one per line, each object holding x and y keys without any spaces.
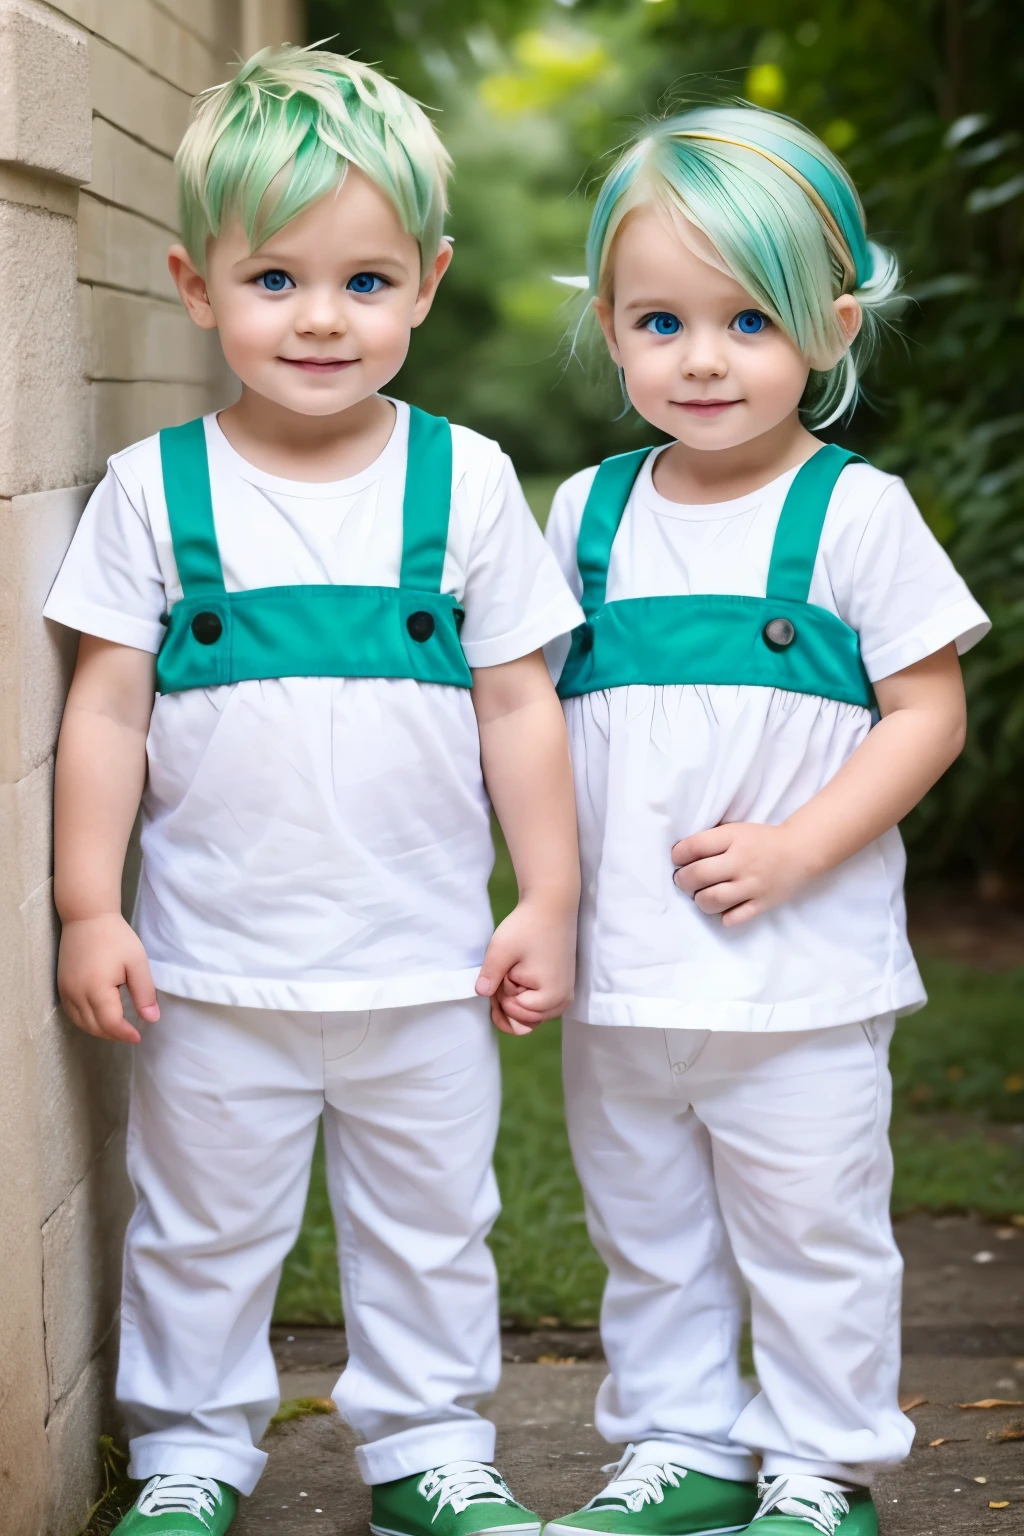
{"x":775,"y":374}
{"x":250,"y":326}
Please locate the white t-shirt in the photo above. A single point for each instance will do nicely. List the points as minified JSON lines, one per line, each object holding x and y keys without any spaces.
{"x":655,"y":764}
{"x":309,"y":842}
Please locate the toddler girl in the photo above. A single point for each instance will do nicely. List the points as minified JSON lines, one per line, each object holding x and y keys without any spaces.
{"x":766,"y":683}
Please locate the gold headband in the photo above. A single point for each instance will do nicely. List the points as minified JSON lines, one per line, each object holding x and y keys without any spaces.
{"x":833,"y":234}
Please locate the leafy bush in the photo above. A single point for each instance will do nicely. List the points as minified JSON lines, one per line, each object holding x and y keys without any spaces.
{"x":924,"y":101}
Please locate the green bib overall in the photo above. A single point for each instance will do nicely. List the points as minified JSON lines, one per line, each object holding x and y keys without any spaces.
{"x":777,"y":641}
{"x":215,"y":636}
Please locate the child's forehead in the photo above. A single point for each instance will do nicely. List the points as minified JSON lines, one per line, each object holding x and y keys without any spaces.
{"x":354,"y":219}
{"x":660,"y":244}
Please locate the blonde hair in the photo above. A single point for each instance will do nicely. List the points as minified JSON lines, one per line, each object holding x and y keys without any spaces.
{"x":283,"y":131}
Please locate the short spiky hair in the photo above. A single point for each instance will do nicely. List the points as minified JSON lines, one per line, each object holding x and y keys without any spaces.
{"x":268,"y":143}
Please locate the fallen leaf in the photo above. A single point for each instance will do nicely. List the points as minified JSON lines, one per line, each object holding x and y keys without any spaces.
{"x":556,"y":1359}
{"x":995,"y":1402}
{"x":1012,"y":1430}
{"x":933,"y":1443}
{"x":547,"y":1322}
{"x":981,"y":1479}
{"x":912,"y":1402}
{"x":998,"y":1503}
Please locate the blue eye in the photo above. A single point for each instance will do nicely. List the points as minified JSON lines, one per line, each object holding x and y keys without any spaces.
{"x":365,"y":282}
{"x":750,"y":321}
{"x":274,"y":281}
{"x":662,"y":324}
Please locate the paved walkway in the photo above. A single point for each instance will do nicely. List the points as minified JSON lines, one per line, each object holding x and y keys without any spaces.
{"x":964,"y":1342}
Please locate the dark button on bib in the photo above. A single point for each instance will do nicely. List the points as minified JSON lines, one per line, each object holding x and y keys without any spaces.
{"x":779,"y":633}
{"x":420,"y":625}
{"x":207,"y":628}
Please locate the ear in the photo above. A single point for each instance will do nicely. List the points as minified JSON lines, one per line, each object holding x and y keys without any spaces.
{"x":849,"y":316}
{"x":606,"y":320}
{"x":191,"y":284}
{"x":428,"y":287}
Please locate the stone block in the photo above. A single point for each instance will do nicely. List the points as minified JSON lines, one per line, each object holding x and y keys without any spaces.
{"x":124,"y":413}
{"x":155,"y":36}
{"x":45,"y":108}
{"x":133,"y":176}
{"x":26,"y":844}
{"x":36,"y":657}
{"x":121,"y":250}
{"x":131,"y":337}
{"x":83,"y":1099}
{"x":23,"y":1383}
{"x":40,"y":935}
{"x":41,"y":423}
{"x":135,"y":99}
{"x":271,"y":21}
{"x":73,"y":1431}
{"x":83,"y":1242}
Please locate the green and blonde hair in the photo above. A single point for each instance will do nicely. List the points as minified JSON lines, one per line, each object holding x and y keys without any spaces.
{"x":785,"y":220}
{"x":265,"y":145}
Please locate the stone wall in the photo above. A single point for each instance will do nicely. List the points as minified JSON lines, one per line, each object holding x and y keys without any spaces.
{"x":95,"y":352}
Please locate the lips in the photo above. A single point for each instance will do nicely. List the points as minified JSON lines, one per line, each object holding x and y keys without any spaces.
{"x":319,"y":364}
{"x":706,"y":407}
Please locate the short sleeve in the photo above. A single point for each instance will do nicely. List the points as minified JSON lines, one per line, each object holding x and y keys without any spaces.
{"x":110,"y":584}
{"x":892,"y":581}
{"x":516,"y":598}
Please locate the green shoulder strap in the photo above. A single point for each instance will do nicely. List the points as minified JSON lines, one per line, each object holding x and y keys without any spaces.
{"x":428,"y":498}
{"x":602,"y":515}
{"x":186,"y":473}
{"x":801,"y":520}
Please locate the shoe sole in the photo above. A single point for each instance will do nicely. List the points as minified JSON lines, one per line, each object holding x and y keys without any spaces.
{"x":553,"y":1528}
{"x":532,"y":1529}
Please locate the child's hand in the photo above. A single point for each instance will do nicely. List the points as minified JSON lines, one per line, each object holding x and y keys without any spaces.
{"x":97,"y":956}
{"x":529,"y":967}
{"x":741,"y":869}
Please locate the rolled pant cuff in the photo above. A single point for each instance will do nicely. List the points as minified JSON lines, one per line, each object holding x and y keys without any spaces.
{"x":237,"y":1465}
{"x":777,"y":1464}
{"x":426,"y":1446}
{"x":734,"y":1464}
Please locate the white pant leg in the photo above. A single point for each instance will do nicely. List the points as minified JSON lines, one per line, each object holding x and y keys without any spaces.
{"x":799,"y":1133}
{"x":410,"y":1127}
{"x":224,"y":1109}
{"x":672,"y":1309}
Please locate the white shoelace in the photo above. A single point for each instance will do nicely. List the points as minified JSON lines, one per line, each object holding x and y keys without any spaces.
{"x":179,"y":1494}
{"x":461,"y":1483}
{"x":644,"y":1482}
{"x":813,"y":1499}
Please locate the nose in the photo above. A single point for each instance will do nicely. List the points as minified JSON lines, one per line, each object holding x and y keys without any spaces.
{"x":323,"y":313}
{"x":703,"y":354}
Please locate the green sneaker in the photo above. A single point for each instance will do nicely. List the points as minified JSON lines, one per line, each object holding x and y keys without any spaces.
{"x":652,"y":1494}
{"x":179,"y":1505}
{"x":458,"y":1499}
{"x":799,"y":1506}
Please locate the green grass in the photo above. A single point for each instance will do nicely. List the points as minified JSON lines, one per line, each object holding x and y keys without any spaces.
{"x":958,"y":1068}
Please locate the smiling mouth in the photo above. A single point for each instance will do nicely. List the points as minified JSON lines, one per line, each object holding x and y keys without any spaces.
{"x":705,"y":407}
{"x":319,"y":364}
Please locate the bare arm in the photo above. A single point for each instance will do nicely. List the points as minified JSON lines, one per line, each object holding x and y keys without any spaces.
{"x":742,"y":868}
{"x":100,"y":775}
{"x":529,"y":966}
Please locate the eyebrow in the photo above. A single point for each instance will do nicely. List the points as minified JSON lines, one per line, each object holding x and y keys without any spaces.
{"x":284,"y":259}
{"x":650,"y":304}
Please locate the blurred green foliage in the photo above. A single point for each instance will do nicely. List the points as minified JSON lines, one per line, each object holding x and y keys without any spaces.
{"x":925,"y":103}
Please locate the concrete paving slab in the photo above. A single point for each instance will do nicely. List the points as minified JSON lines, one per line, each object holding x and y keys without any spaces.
{"x":964,"y":1342}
